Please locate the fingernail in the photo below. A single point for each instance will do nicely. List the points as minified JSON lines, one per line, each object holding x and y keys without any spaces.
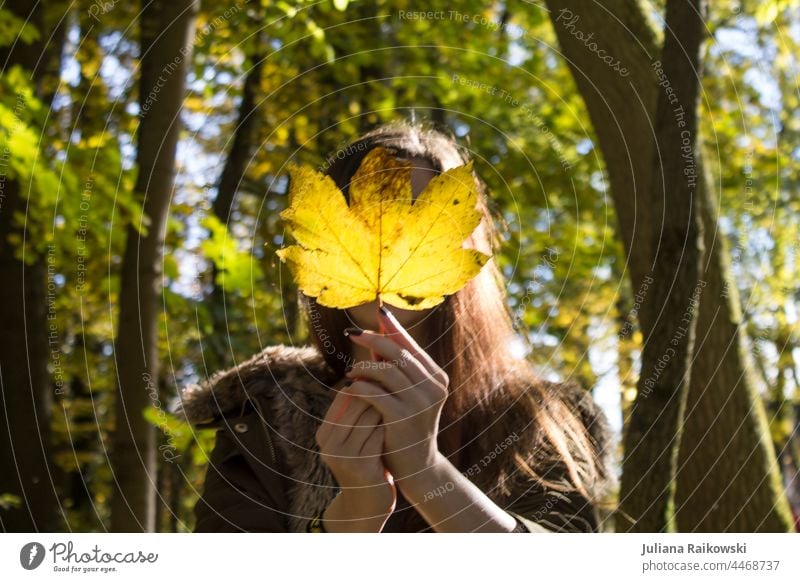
{"x":352,"y":331}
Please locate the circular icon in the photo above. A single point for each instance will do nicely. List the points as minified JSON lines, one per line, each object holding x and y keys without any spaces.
{"x":31,"y":555}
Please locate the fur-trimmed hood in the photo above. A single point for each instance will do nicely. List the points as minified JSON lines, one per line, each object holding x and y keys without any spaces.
{"x":292,"y":389}
{"x":276,"y":369}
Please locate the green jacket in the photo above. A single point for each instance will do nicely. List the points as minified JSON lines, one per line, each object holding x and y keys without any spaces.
{"x":265,"y":473}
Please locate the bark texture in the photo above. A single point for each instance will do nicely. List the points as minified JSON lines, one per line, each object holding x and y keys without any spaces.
{"x":26,"y":391}
{"x":167,"y":28}
{"x":727,"y":476}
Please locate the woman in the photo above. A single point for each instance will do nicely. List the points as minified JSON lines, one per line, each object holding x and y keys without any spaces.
{"x":444,"y":431}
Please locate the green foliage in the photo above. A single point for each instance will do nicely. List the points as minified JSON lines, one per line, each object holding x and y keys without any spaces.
{"x":16,"y":29}
{"x":754,"y":142}
{"x":7,"y":501}
{"x":237,"y":270}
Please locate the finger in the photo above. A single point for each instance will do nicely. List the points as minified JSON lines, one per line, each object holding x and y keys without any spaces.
{"x":387,"y":374}
{"x":373,"y":445}
{"x":401,"y":386}
{"x":395,"y":330}
{"x":342,"y":408}
{"x":385,"y":402}
{"x":361,"y":432}
{"x":342,"y":428}
{"x":349,"y":446}
{"x":369,"y":419}
{"x":337,"y":429}
{"x":392,"y":351}
{"x":337,"y":407}
{"x":340,"y":404}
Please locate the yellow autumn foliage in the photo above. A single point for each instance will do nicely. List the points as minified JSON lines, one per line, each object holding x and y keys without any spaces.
{"x":385,"y":245}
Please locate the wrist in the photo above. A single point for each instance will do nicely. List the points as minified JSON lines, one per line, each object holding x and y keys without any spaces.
{"x":366,"y":501}
{"x":352,"y":511}
{"x":421,"y":485}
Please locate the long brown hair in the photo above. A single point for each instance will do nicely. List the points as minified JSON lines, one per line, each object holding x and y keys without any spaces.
{"x":493,"y":395}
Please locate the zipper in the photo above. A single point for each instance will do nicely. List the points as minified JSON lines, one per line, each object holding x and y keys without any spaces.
{"x":262,"y":421}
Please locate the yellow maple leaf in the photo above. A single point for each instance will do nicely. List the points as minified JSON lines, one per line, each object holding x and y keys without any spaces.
{"x":385,"y":245}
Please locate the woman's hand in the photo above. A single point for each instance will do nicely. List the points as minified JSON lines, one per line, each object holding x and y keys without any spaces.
{"x":409,"y":389}
{"x":351,"y":447}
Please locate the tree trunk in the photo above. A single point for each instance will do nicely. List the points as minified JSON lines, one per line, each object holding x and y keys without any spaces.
{"x":221,"y":352}
{"x":26,"y":341}
{"x":650,"y":467}
{"x":728,"y":479}
{"x":166,"y":42}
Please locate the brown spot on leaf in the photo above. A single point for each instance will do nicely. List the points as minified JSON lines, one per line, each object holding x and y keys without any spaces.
{"x":411,"y":299}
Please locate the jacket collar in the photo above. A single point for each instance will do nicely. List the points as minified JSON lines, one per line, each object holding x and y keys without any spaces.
{"x":278,"y":368}
{"x":291,"y":388}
